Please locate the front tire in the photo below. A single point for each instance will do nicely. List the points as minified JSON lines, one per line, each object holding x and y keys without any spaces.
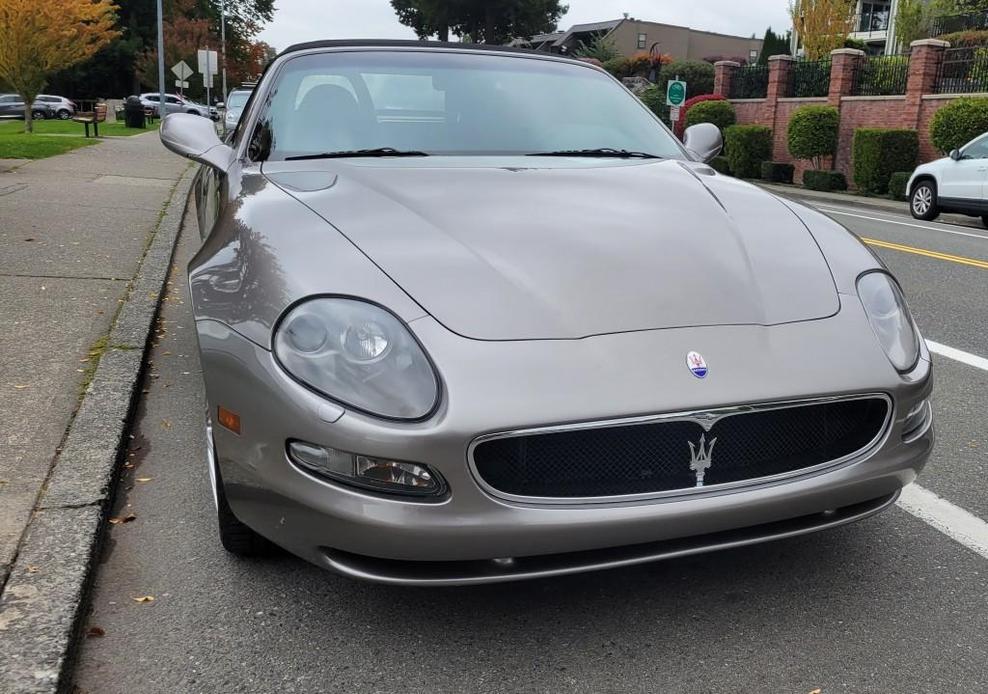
{"x":64,"y":114}
{"x":923,"y":201}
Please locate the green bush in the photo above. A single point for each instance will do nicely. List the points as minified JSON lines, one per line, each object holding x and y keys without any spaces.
{"x":877,"y":153}
{"x":721,"y":165}
{"x":897,"y":184}
{"x":813,"y":133}
{"x":815,"y":179}
{"x":619,"y":67}
{"x":777,"y":172}
{"x":655,"y":98}
{"x":959,"y":122}
{"x":720,"y":113}
{"x":698,"y":75}
{"x":747,"y":146}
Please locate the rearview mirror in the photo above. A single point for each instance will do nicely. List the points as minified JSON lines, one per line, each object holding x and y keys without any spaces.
{"x":195,"y":137}
{"x":955,"y":154}
{"x":703,"y":141}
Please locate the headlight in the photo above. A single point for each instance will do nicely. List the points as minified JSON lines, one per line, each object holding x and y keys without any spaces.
{"x":358,"y":354}
{"x":890,"y":319}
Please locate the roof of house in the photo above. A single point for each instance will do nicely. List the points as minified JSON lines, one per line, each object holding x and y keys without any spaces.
{"x":584,"y":28}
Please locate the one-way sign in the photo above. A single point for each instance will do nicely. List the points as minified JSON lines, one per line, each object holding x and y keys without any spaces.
{"x":182,"y":70}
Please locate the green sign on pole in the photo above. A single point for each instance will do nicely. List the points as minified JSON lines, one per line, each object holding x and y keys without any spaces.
{"x":675,"y":93}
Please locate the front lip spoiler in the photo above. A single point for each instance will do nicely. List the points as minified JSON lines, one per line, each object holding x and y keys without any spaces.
{"x":459,"y":573}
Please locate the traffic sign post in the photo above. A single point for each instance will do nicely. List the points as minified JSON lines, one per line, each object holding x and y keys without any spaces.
{"x":182,"y":70}
{"x":207,"y":67}
{"x":675,"y":97}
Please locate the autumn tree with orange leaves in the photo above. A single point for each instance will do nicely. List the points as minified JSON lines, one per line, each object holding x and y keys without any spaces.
{"x":822,"y":25}
{"x":41,"y":37}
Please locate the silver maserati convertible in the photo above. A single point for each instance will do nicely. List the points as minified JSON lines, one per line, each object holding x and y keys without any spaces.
{"x":474,"y":314}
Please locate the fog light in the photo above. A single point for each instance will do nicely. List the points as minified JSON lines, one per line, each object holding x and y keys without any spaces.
{"x":363,"y":471}
{"x":916,"y":421}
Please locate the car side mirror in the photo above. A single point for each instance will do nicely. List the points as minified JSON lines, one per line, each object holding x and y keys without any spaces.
{"x":703,"y":141}
{"x":220,"y":104}
{"x":195,"y":137}
{"x":955,"y":154}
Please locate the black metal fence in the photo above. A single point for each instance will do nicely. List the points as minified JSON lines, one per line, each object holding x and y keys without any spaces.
{"x":808,"y":78}
{"x":970,"y":21}
{"x":881,"y":75}
{"x":963,"y":71}
{"x":750,"y":82}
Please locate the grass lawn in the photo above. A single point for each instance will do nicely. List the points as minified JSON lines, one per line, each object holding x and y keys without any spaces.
{"x":68,"y":127}
{"x":53,"y":137}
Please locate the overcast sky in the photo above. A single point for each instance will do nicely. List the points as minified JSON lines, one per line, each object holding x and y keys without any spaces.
{"x":308,"y":20}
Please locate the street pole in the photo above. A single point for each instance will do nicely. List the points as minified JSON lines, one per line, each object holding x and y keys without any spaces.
{"x":207,"y":79}
{"x":223,"y":45}
{"x":162,"y":100}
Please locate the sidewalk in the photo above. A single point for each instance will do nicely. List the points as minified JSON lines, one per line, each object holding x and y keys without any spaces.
{"x":74,"y":230}
{"x":816,"y":197}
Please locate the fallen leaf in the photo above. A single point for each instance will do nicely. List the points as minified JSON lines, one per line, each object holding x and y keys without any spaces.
{"x":166,"y":423}
{"x":117,"y":520}
{"x":816,"y":691}
{"x":95,"y":632}
{"x":143,"y":479}
{"x":19,"y":387}
{"x":144,"y":598}
{"x":32,"y":569}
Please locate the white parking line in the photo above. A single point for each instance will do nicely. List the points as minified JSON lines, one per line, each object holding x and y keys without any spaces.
{"x":904,"y":224}
{"x":953,"y":521}
{"x":957,"y":355}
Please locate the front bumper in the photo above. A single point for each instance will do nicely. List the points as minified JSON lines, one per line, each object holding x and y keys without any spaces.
{"x":527,"y":384}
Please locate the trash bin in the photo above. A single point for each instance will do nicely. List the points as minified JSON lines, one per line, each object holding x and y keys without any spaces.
{"x":134,"y":112}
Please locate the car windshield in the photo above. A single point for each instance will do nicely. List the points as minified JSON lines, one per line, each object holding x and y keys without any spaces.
{"x":236,"y":100}
{"x":451,"y":103}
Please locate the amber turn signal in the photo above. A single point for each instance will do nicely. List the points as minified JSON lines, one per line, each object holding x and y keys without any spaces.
{"x":229,"y":420}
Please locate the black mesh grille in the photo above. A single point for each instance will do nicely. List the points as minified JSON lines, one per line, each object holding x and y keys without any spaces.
{"x":655,"y":457}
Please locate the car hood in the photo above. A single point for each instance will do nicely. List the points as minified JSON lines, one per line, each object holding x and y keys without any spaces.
{"x":526,"y":249}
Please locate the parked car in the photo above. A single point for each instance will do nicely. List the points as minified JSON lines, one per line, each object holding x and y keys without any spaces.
{"x":56,"y":106}
{"x":12,"y":106}
{"x":178,"y":104}
{"x":235,"y":102}
{"x":471,"y":314}
{"x":956,"y":183}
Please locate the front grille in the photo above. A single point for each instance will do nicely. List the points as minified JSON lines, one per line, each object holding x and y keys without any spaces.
{"x":655,"y":456}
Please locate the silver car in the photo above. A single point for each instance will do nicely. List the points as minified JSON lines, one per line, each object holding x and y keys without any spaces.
{"x":234,"y":106}
{"x":471,"y":314}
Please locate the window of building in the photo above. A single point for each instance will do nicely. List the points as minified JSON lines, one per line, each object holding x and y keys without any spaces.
{"x":642,"y":41}
{"x":875,"y":16}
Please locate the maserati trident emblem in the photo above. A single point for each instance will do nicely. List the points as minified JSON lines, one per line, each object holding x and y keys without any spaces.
{"x":701,"y":458}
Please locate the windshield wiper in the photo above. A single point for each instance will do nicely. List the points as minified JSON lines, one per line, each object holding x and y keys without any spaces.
{"x":598,"y":152}
{"x":377,"y":152}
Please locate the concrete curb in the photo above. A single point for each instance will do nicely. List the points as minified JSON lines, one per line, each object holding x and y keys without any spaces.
{"x":44,"y":600}
{"x":820,"y":198}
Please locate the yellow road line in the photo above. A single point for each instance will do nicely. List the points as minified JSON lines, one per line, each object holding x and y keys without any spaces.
{"x":929,"y":254}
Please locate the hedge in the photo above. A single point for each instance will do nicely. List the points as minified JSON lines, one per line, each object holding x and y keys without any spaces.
{"x":690,"y":103}
{"x":813,"y":133}
{"x":698,"y":75}
{"x":959,"y":122}
{"x":655,"y":99}
{"x":897,"y":184}
{"x":777,"y":172}
{"x":877,"y":153}
{"x":721,"y":165}
{"x":747,"y":146}
{"x":720,"y":113}
{"x":814,"y":179}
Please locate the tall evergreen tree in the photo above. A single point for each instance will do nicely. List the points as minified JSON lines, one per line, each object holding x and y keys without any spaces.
{"x":773,"y":44}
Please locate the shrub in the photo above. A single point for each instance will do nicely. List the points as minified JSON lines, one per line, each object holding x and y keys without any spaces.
{"x":655,"y":98}
{"x":966,"y":39}
{"x":698,"y":75}
{"x":958,"y":123}
{"x":878,"y":153}
{"x":721,"y":165}
{"x":777,"y":172}
{"x":641,"y":63}
{"x":747,"y":146}
{"x":720,"y":113}
{"x":897,"y":184}
{"x":824,"y":180}
{"x":690,"y":103}
{"x":619,"y":67}
{"x":813,"y":133}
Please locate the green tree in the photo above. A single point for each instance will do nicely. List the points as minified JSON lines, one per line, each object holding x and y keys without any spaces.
{"x":486,"y":21}
{"x":600,"y":47}
{"x":773,"y":44}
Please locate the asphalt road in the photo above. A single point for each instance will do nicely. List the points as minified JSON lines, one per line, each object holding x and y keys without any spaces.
{"x":886,"y":605}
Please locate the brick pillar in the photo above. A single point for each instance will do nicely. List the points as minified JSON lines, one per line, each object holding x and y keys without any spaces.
{"x":724,"y":71}
{"x":925,"y":57}
{"x":845,"y":62}
{"x":779,"y":76}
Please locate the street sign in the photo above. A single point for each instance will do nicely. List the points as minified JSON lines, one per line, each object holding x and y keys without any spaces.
{"x":208,"y":61}
{"x":674,"y":114}
{"x":181,"y":84}
{"x":182,"y":70}
{"x":675,"y":93}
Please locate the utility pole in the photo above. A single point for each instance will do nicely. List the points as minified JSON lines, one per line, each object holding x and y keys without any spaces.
{"x":223,"y":46}
{"x":162,"y":99}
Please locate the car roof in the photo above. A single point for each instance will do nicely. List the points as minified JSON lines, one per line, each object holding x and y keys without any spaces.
{"x":401,"y":43}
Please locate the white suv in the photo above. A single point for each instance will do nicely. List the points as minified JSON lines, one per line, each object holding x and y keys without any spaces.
{"x":956,"y":183}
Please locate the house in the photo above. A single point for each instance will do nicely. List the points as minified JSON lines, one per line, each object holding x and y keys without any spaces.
{"x":630,"y":36}
{"x":874,"y":25}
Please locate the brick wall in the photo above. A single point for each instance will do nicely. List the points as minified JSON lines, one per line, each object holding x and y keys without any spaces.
{"x":912,"y":110}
